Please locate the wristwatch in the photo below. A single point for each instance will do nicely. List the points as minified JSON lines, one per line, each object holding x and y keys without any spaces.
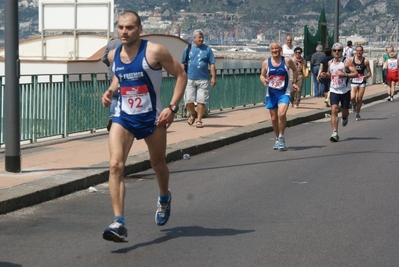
{"x":174,"y":108}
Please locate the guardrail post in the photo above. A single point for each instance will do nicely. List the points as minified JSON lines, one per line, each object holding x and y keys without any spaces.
{"x":35,"y":118}
{"x":95,"y":86}
{"x":66,"y":105}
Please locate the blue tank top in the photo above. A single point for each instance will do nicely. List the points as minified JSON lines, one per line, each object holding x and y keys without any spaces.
{"x":139,"y":88}
{"x":277,"y":76}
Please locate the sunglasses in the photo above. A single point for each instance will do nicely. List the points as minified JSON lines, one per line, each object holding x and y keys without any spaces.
{"x":337,"y":50}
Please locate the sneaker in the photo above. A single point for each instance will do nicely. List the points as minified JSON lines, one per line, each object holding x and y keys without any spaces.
{"x":357,"y":117}
{"x":163,"y":212}
{"x":276,"y":144}
{"x":334,"y":137}
{"x":281,"y":145}
{"x":116,"y":232}
{"x":344,"y":122}
{"x":392,"y":98}
{"x":389,"y":98}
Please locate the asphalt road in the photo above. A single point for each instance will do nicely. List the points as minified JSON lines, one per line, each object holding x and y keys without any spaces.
{"x":316,"y":204}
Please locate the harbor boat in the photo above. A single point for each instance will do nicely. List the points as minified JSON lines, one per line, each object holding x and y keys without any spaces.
{"x":247,"y":49}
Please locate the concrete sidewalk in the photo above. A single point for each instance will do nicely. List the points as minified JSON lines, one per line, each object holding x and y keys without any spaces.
{"x":55,"y":168}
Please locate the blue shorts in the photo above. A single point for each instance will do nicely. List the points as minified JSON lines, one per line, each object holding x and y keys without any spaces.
{"x":140,"y":131}
{"x":276,"y":97}
{"x":344,"y":99}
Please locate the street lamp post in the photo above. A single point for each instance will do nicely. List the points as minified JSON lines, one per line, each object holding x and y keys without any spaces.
{"x":11,"y":96}
{"x":336,"y":22}
{"x":396,"y":33}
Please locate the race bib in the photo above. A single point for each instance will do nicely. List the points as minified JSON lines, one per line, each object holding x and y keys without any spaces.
{"x":337,"y":82}
{"x":358,"y":79}
{"x":392,"y":65}
{"x":135,"y":99}
{"x":277,"y":82}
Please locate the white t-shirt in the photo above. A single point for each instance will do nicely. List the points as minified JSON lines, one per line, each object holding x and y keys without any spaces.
{"x":288,"y":51}
{"x":338,"y":85}
{"x":348,"y":52}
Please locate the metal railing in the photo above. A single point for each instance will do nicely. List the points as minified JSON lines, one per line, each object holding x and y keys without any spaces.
{"x":60,"y":105}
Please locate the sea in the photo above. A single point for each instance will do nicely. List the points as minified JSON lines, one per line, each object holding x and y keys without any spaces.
{"x":241,"y":64}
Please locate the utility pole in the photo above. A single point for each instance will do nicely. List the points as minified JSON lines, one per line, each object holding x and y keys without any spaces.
{"x":11,"y":96}
{"x":336,"y":22}
{"x":396,"y":33}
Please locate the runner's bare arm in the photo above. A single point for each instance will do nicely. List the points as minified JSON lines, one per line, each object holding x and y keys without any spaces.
{"x":320,"y":71}
{"x":107,"y":96}
{"x":353,"y":71}
{"x":263,"y":72}
{"x":213,"y":75}
{"x":159,"y":56}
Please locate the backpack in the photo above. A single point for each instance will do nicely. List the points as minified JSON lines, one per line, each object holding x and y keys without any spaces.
{"x":186,"y":61}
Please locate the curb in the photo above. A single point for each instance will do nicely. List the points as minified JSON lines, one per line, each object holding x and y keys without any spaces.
{"x":59,"y":185}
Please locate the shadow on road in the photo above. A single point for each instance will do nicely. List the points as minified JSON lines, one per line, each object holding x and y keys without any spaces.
{"x":9,"y":264}
{"x":186,"y":231}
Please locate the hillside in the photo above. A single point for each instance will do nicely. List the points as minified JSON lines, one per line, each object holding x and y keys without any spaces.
{"x":366,"y":17}
{"x":367,"y":14}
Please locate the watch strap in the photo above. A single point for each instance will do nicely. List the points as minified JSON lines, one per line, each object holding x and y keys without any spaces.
{"x":174,"y":108}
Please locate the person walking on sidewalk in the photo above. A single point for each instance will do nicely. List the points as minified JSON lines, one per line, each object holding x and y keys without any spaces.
{"x":315,"y":67}
{"x":392,"y":65}
{"x":112,"y":44}
{"x":274,"y":75}
{"x":340,"y":70}
{"x":300,"y":63}
{"x":137,"y":65}
{"x":288,"y":48}
{"x":325,"y":81}
{"x":348,"y":51}
{"x":197,"y":90}
{"x":385,"y":57}
{"x":358,"y":84}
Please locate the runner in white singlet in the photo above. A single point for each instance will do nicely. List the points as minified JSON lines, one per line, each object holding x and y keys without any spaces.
{"x":340,"y":71}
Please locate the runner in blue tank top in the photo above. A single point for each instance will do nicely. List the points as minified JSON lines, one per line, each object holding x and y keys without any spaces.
{"x":137,"y":65}
{"x":274,"y":75}
{"x":139,"y":86}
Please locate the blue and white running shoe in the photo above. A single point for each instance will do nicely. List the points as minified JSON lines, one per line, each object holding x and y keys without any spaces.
{"x":163,"y":211}
{"x":281,"y":145}
{"x":116,"y":232}
{"x":275,"y":146}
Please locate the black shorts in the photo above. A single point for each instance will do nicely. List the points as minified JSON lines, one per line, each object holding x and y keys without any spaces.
{"x":344,"y":99}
